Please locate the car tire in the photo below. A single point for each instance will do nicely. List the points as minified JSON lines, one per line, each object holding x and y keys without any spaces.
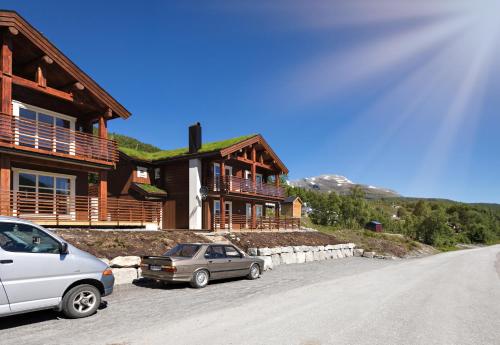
{"x":81,"y":301}
{"x":254,"y":272}
{"x":200,"y":279}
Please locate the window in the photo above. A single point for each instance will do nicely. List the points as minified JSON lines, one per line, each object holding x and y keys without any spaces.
{"x":157,"y":173}
{"x":26,"y":239}
{"x":43,"y":193}
{"x":183,"y":250}
{"x":231,"y":252}
{"x":215,"y":252}
{"x":259,"y":211}
{"x":142,"y":172}
{"x":43,"y":129}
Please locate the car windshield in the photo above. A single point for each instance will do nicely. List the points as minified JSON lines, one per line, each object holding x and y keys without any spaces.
{"x":183,"y":250}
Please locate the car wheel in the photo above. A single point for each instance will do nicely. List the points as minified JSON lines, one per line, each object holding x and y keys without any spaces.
{"x":254,"y":272}
{"x":81,"y":301}
{"x":200,"y":279}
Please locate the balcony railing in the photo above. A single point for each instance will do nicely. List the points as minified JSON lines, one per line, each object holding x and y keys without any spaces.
{"x":246,"y":186}
{"x":238,"y":221}
{"x":66,"y":209}
{"x":31,"y":135}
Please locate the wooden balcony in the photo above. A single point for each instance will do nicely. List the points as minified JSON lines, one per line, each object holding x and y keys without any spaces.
{"x":66,"y":210}
{"x":42,"y":138}
{"x":233,"y":184}
{"x":242,"y":222}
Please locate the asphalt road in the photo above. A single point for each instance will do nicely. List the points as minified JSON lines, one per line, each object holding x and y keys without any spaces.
{"x":451,"y":298}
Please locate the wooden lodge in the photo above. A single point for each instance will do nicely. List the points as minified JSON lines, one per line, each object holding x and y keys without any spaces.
{"x":59,"y":168}
{"x":230,"y":184}
{"x":55,"y":155}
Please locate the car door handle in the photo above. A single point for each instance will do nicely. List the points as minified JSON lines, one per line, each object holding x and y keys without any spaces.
{"x":229,"y":260}
{"x":6,"y":261}
{"x":210,"y":261}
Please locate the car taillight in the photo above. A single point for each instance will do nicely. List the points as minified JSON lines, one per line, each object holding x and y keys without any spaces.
{"x":107,"y":272}
{"x":171,"y":269}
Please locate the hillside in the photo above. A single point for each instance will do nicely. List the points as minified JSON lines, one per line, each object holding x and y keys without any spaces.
{"x":341,"y":185}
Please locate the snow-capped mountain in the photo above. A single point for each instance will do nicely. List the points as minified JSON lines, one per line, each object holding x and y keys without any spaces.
{"x":341,"y":185}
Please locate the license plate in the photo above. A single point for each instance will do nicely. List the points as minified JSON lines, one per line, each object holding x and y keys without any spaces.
{"x":155,"y":268}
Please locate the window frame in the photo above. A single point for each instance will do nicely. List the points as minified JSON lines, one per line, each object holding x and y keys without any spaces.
{"x":17,"y":105}
{"x":72,"y":179}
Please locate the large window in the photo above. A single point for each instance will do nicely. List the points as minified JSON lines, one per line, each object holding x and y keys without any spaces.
{"x":43,"y":129}
{"x":43,"y":193}
{"x":26,"y":239}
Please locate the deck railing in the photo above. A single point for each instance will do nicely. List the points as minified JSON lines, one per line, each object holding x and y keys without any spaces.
{"x":238,"y":221}
{"x":246,"y":186}
{"x":31,"y":135}
{"x":66,"y":209}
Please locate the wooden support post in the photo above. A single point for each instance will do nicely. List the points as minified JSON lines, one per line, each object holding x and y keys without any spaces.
{"x":6,"y":69}
{"x":254,"y":169}
{"x":277,"y":214}
{"x":103,"y":195}
{"x":5,"y":185}
{"x":222,"y":212}
{"x":254,"y":216}
{"x":222,"y":180}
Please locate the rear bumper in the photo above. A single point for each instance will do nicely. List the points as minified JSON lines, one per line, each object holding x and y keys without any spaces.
{"x":164,"y":276}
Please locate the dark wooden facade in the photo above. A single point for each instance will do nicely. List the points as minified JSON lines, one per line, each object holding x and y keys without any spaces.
{"x":241,"y":181}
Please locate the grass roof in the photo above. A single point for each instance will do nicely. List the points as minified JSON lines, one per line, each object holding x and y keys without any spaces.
{"x":150,"y":188}
{"x":165,"y":154}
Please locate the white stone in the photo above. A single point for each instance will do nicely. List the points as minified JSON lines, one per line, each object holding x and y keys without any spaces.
{"x":358,"y":252}
{"x":124,"y":275}
{"x":297,"y":249}
{"x":351,"y":245}
{"x":252,"y":251}
{"x":268,"y":262}
{"x":276,"y":250}
{"x":301,"y":257}
{"x":369,"y":255}
{"x":288,"y":258}
{"x":309,"y":256}
{"x":322,"y":255}
{"x":276,"y":259}
{"x":329,"y":247}
{"x":340,"y":254}
{"x":286,"y":249}
{"x":321,"y":248}
{"x":334,"y":254}
{"x":264,"y":251}
{"x":125,"y":261}
{"x":316,"y":256}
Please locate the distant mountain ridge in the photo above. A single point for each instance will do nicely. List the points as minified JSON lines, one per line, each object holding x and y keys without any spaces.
{"x":341,"y":185}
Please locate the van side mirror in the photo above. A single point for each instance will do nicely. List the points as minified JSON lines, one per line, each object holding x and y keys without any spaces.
{"x":63,"y":248}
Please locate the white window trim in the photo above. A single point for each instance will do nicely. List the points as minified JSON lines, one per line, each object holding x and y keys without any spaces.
{"x":72,"y":181}
{"x":230,"y":203}
{"x":16,"y":105}
{"x":140,"y":171}
{"x":257,"y":208}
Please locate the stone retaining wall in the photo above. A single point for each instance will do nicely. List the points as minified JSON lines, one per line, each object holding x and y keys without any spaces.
{"x":299,"y":254}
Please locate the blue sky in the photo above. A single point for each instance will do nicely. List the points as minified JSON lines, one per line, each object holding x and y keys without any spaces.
{"x":393,"y":93}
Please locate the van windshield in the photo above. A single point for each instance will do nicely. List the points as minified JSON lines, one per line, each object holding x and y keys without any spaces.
{"x":183,"y":250}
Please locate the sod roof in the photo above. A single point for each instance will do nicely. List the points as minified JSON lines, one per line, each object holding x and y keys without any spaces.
{"x":166,"y":154}
{"x":150,"y":189}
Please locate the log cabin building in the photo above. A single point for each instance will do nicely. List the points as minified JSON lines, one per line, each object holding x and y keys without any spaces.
{"x":55,"y":156}
{"x":229,"y":184}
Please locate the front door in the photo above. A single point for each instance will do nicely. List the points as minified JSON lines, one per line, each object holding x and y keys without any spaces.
{"x":34,"y":274}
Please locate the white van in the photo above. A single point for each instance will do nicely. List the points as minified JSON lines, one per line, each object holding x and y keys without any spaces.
{"x":39,"y":270}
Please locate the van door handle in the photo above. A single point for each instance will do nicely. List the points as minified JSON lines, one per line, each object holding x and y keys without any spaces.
{"x":6,"y":261}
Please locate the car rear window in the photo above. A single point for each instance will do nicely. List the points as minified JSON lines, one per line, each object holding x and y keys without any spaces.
{"x":183,"y":250}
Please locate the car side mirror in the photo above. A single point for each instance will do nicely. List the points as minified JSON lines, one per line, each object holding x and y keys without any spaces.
{"x":207,"y":256}
{"x":63,"y":248}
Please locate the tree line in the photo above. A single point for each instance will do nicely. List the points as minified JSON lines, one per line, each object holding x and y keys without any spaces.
{"x":440,"y":223}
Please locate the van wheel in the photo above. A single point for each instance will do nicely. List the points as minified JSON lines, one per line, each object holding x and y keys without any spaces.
{"x":81,"y":301}
{"x":254,"y":272}
{"x":200,"y":279}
